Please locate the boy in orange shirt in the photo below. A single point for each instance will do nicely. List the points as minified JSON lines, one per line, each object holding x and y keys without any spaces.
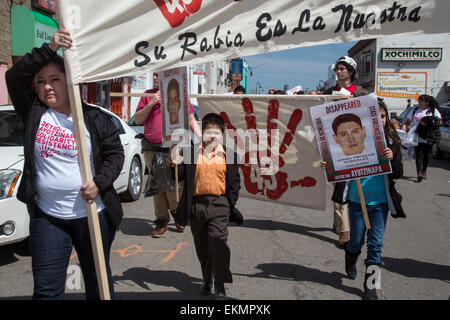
{"x":210,"y":191}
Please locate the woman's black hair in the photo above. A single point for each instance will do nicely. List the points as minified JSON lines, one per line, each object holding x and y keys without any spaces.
{"x":58,"y":61}
{"x":392,"y":138}
{"x":213,"y":119}
{"x":432,"y":103}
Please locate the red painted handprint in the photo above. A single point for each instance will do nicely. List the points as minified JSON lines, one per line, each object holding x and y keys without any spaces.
{"x":274,"y":185}
{"x":175,"y":11}
{"x":46,"y":151}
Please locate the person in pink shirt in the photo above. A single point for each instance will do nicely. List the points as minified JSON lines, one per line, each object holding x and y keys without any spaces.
{"x":148,"y":113}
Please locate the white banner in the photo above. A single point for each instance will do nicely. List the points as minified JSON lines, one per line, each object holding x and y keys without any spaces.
{"x":277,"y":148}
{"x":115,"y":38}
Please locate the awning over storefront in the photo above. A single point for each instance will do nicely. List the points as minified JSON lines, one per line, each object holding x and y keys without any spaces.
{"x":29,"y":29}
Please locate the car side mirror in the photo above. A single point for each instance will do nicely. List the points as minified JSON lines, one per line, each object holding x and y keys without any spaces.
{"x":139,"y":136}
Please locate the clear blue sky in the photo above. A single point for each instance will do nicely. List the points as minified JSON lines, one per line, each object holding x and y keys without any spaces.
{"x":301,"y":66}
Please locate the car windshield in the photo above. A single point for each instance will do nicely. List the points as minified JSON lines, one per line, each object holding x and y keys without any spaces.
{"x":11,"y":128}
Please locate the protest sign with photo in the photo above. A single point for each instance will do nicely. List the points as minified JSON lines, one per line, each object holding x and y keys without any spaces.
{"x":351,"y":139}
{"x":174,"y":103}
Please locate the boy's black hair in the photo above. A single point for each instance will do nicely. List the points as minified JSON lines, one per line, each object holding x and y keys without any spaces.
{"x":347,"y":117}
{"x":239,"y":88}
{"x":214,"y":119}
{"x":173,"y":84}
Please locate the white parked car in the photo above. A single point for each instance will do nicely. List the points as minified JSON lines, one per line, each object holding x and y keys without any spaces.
{"x":14,"y":218}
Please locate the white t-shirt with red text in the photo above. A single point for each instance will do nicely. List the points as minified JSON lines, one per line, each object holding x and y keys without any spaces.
{"x":58,"y":178}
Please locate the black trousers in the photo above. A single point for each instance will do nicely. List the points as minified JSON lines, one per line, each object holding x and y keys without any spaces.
{"x":209,"y":226}
{"x":422,"y":157}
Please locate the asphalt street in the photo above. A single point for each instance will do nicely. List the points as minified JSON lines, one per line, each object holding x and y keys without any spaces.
{"x":281,"y":253}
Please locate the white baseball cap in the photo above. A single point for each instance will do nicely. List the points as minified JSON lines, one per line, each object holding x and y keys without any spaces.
{"x":347,"y":60}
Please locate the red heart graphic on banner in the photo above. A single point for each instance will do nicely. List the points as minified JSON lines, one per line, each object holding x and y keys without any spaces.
{"x":175,"y":11}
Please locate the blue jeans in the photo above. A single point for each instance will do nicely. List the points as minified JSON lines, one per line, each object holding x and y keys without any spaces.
{"x":51,"y":241}
{"x":377,"y":217}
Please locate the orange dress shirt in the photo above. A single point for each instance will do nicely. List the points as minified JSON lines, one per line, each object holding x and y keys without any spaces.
{"x":210,"y":173}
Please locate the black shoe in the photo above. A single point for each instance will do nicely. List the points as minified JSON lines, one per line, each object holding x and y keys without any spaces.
{"x":205,"y":289}
{"x":219,"y":289}
{"x":350,"y":264}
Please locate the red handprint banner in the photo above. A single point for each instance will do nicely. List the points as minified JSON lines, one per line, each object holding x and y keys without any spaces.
{"x":116,"y":38}
{"x":276,"y":145}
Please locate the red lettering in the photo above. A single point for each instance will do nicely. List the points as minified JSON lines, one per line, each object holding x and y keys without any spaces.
{"x":175,"y":11}
{"x":305,"y":182}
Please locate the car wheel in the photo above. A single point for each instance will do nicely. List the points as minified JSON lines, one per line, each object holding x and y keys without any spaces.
{"x":436,"y":152}
{"x":133,"y":191}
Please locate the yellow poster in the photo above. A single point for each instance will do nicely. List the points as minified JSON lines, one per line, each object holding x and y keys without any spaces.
{"x":407,"y":85}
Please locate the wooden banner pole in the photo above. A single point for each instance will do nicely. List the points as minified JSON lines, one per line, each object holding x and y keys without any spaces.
{"x":86,"y":175}
{"x":363,"y":203}
{"x":177,"y":189}
{"x":130,"y":94}
{"x":194,"y":95}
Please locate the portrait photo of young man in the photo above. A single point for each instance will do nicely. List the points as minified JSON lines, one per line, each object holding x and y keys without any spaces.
{"x":173,"y":101}
{"x":349,"y":133}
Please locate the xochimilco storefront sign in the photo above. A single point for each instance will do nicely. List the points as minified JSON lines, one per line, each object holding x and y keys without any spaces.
{"x":411,"y":54}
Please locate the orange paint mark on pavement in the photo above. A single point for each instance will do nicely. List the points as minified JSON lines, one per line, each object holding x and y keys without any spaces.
{"x":129,"y":251}
{"x":134,"y":249}
{"x":173,"y":252}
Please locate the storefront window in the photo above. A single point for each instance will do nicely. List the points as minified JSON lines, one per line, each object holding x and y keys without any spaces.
{"x":367,"y":64}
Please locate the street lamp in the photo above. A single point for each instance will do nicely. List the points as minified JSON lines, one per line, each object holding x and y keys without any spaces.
{"x":321,"y":86}
{"x":251,"y":68}
{"x":258,"y":85}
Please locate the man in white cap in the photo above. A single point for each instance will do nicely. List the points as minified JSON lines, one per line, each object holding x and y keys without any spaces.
{"x":345,"y":69}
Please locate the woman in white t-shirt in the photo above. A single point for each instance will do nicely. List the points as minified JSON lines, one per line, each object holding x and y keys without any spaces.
{"x":419,"y":119}
{"x":51,"y":185}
